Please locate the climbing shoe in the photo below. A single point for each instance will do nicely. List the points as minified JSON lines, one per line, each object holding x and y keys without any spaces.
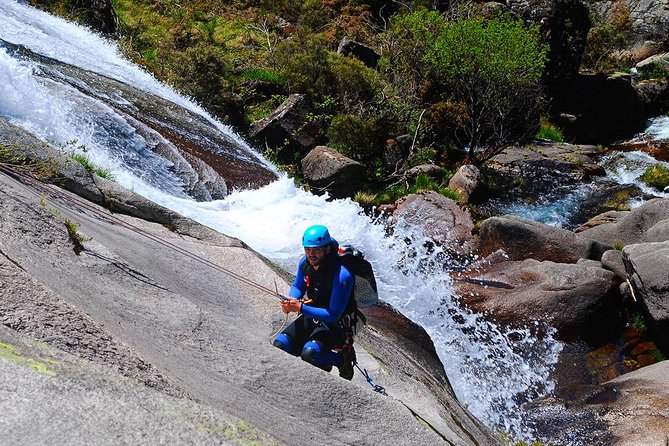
{"x":327,"y":368}
{"x":346,"y":367}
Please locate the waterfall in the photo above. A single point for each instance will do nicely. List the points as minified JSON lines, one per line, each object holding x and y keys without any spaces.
{"x":492,"y":371}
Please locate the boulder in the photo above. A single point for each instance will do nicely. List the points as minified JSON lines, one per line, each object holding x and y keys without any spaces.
{"x":526,"y":239}
{"x":596,"y":109}
{"x":655,"y":95}
{"x":435,"y":173}
{"x":602,"y":219}
{"x":642,"y":396}
{"x":441,"y":219}
{"x":286,"y":131}
{"x":654,"y":64}
{"x":327,"y":170}
{"x":363,"y":53}
{"x":397,"y":152}
{"x":613,"y":261}
{"x":648,"y":20}
{"x":643,"y":224}
{"x":646,"y":264}
{"x":579,"y":300}
{"x":466,"y":182}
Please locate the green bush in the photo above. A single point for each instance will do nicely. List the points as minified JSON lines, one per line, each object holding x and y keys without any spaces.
{"x":262,"y":74}
{"x":352,"y":136}
{"x":492,"y":68}
{"x":408,"y":38}
{"x":206,"y":73}
{"x":656,"y":176}
{"x":549,"y":131}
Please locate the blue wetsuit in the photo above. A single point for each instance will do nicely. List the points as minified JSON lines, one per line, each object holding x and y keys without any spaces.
{"x":318,"y":329}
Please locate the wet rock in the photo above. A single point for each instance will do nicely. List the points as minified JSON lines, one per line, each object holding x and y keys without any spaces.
{"x":441,"y":218}
{"x":98,"y":14}
{"x":327,"y":170}
{"x":536,"y":169}
{"x":49,"y":163}
{"x":579,"y":300}
{"x":526,"y":239}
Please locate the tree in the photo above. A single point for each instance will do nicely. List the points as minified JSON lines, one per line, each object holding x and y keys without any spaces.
{"x":492,"y":70}
{"x":405,"y":43}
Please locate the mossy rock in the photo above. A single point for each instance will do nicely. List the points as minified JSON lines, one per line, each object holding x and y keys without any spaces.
{"x":656,"y":176}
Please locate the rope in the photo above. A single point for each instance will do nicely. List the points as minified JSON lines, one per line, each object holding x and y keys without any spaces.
{"x":377,"y":388}
{"x":274,"y":335}
{"x":54,"y":193}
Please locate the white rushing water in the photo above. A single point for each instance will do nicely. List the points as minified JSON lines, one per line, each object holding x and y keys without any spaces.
{"x":492,"y":371}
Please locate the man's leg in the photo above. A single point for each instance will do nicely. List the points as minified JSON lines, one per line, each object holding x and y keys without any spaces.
{"x":294,"y":336}
{"x":318,"y":350}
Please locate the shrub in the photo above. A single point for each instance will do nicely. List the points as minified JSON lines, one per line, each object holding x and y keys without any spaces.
{"x":492,"y":68}
{"x":205,"y":72}
{"x":549,"y":131}
{"x":408,"y":38}
{"x":656,"y":176}
{"x":607,"y":35}
{"x":263,"y":75}
{"x":639,"y":322}
{"x":353,"y":136}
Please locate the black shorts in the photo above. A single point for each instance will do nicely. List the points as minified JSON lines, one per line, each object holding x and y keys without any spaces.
{"x":304,"y":329}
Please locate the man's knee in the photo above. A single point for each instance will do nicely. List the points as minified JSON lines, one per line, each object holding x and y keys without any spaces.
{"x":311,"y":351}
{"x":283,"y":342}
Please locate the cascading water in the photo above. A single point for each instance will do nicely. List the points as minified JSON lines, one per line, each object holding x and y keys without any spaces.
{"x":491,"y":370}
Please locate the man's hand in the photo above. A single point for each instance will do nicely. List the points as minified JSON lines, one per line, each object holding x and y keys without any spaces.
{"x":291,"y":305}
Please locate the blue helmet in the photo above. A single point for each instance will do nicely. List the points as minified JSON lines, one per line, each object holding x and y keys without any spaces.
{"x":316,"y":236}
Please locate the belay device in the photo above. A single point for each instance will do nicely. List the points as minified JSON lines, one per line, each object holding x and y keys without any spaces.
{"x":364,"y":288}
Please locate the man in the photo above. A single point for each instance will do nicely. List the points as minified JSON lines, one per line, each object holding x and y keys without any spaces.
{"x":321,"y":293}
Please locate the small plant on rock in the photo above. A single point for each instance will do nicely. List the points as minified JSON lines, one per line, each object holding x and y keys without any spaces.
{"x":86,"y":162}
{"x":549,"y":131}
{"x":77,"y":239}
{"x":639,"y":323}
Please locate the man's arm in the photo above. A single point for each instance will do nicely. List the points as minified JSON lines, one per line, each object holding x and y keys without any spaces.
{"x":342,"y":285}
{"x":298,"y":288}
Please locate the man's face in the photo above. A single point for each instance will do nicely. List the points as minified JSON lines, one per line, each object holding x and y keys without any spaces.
{"x":316,"y":256}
